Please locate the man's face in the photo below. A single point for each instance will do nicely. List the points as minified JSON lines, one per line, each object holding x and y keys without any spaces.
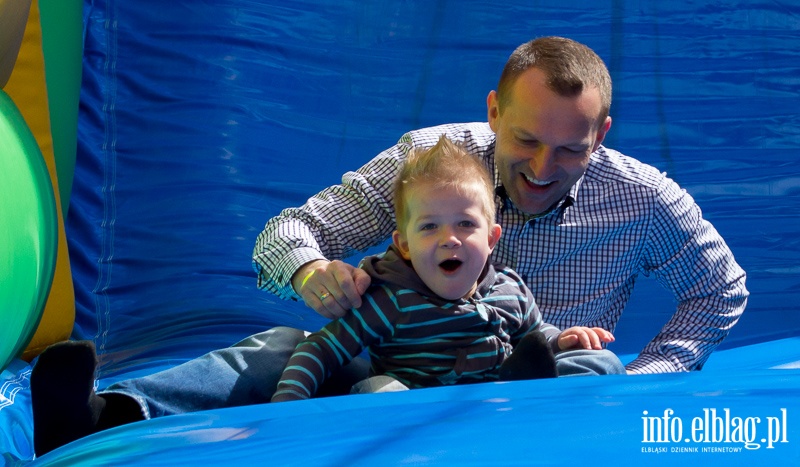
{"x":543,"y":140}
{"x":447,"y":238}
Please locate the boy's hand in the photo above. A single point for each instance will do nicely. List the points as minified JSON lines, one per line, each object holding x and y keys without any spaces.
{"x":331,"y":287}
{"x":581,"y":337}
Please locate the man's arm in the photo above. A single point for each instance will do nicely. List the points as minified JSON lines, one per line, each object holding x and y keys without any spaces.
{"x":343,"y":220}
{"x":331,"y":287}
{"x":334,"y":224}
{"x":689,"y":257}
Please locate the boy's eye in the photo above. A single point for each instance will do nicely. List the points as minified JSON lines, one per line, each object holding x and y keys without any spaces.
{"x":466,"y":224}
{"x":428,"y":226}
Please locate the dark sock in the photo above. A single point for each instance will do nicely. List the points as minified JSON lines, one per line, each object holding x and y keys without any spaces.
{"x":532,"y":358}
{"x":65,"y":406}
{"x":119,"y":410}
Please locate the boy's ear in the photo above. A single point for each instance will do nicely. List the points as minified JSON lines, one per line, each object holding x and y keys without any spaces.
{"x":494,"y":235}
{"x":401,"y":244}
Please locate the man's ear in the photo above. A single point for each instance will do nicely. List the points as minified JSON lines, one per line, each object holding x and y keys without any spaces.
{"x":492,"y":109}
{"x":401,"y":244}
{"x":494,"y":235}
{"x":601,"y":133}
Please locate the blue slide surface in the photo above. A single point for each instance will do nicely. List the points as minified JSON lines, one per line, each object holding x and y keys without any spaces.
{"x":201,"y":120}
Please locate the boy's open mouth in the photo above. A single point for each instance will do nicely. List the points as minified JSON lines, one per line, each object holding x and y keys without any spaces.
{"x":450,"y":265}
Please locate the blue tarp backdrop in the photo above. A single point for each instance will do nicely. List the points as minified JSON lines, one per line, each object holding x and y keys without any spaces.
{"x":200,"y":120}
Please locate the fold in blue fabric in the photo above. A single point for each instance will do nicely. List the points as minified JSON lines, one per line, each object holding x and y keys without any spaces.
{"x":201,"y":120}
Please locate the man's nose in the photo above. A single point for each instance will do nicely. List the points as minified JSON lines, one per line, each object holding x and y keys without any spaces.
{"x":542,"y":163}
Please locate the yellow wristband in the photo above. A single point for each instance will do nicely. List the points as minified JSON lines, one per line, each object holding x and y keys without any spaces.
{"x":308,"y":276}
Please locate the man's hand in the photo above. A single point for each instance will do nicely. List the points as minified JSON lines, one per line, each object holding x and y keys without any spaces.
{"x":331,"y":287}
{"x":581,"y":337}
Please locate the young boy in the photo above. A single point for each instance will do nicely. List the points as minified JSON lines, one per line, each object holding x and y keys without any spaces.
{"x":438,"y":312}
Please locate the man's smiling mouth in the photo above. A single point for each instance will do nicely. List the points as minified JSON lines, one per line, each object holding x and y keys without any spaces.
{"x":536,"y":182}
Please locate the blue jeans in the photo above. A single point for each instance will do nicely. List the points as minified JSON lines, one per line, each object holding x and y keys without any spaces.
{"x":248,"y":372}
{"x":244,"y":374}
{"x":588,"y":363}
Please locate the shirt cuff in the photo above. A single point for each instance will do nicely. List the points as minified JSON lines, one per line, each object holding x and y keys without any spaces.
{"x":650,"y":364}
{"x":289,"y":266}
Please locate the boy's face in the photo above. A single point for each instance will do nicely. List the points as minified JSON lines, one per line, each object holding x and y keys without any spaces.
{"x":447,"y":238}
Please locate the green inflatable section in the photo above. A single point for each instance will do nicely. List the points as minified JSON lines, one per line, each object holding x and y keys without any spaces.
{"x":28,"y":232}
{"x":62,"y":46}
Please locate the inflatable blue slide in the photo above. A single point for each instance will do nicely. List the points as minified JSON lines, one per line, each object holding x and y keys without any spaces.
{"x":200,"y":120}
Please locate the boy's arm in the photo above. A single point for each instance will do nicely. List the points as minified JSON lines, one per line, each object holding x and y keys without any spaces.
{"x":510,"y":284}
{"x":310,"y":364}
{"x":531,"y":320}
{"x":334,"y":346}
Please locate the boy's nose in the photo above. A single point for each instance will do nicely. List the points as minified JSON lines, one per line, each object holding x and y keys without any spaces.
{"x":450,"y":240}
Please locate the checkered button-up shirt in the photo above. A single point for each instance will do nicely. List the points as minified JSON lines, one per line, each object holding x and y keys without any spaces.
{"x":623,"y":218}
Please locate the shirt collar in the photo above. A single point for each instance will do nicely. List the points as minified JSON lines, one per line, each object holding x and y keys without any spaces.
{"x":504,"y":202}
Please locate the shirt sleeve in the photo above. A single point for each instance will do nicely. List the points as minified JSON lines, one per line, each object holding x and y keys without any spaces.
{"x":335,"y":345}
{"x":348,"y":218}
{"x":688,"y":256}
{"x":334,"y":224}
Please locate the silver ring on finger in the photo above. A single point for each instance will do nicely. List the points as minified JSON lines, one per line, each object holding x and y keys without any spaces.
{"x":324,"y":295}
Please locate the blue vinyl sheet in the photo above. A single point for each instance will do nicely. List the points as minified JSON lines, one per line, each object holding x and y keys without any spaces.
{"x":200,"y":120}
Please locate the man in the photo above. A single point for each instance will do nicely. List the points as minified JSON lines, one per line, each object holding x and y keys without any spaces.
{"x":582,"y":221}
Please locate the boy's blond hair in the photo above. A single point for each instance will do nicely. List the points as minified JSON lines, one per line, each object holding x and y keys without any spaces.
{"x":445,"y":165}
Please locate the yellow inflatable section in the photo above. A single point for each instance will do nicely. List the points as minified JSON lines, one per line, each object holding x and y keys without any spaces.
{"x":27,"y":87}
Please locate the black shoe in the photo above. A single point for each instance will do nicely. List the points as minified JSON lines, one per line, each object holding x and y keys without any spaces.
{"x":65,"y":406}
{"x":532,"y":358}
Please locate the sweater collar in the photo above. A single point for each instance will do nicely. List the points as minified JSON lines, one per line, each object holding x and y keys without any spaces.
{"x":390,"y":267}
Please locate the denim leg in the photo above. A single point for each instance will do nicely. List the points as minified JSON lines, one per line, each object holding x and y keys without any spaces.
{"x":245,"y":373}
{"x":588,"y":362}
